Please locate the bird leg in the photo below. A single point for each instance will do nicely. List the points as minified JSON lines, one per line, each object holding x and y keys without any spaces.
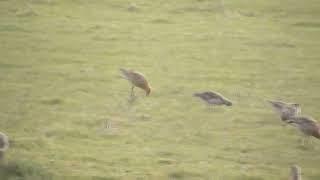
{"x":132,"y":92}
{"x":132,"y":96}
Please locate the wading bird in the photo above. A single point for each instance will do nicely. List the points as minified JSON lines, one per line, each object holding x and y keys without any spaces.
{"x":295,"y":173}
{"x":213,"y":98}
{"x":307,"y":125}
{"x":286,"y":110}
{"x":137,"y":80}
{"x":4,"y":144}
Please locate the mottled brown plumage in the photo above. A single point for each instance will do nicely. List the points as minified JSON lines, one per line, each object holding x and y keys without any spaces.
{"x":213,"y":98}
{"x":286,"y":110}
{"x":137,"y":80}
{"x":306,"y":125}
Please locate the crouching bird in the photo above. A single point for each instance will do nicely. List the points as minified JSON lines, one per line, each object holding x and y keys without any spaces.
{"x":4,"y":144}
{"x":213,"y":98}
{"x":307,"y":125}
{"x":286,"y":110}
{"x":137,"y":80}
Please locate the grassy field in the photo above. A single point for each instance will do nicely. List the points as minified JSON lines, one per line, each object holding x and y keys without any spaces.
{"x":66,"y":110}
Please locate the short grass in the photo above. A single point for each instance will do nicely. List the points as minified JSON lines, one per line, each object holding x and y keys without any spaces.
{"x":66,"y":110}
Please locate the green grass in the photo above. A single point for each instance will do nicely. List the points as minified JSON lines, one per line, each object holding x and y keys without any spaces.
{"x":59,"y":88}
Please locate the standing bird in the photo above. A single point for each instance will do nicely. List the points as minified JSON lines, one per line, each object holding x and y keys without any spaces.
{"x":295,"y":173}
{"x":286,"y":110}
{"x":213,"y":98}
{"x":307,"y":125}
{"x":137,"y":80}
{"x":4,"y":144}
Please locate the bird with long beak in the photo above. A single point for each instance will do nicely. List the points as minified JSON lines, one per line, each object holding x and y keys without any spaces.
{"x":286,"y":110}
{"x":213,"y":98}
{"x":307,"y":125}
{"x":137,"y":80}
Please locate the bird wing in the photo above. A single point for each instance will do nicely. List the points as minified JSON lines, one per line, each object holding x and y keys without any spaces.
{"x":135,"y":77}
{"x":138,"y":79}
{"x":304,"y":119}
{"x":289,"y":111}
{"x":312,"y":128}
{"x":283,"y":109}
{"x":307,"y":124}
{"x":212,"y":95}
{"x":295,"y":108}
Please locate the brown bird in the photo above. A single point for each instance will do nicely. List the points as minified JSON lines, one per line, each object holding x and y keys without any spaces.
{"x":4,"y":144}
{"x":213,"y":98}
{"x":286,"y":110}
{"x":137,"y":80}
{"x":307,"y":125}
{"x":295,"y":173}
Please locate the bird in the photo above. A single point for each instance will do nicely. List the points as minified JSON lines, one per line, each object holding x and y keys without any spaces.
{"x":295,"y":173}
{"x":213,"y":98}
{"x":4,"y":144}
{"x":307,"y":125}
{"x":137,"y":80}
{"x":286,"y":110}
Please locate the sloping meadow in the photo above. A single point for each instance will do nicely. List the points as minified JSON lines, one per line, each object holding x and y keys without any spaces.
{"x":66,"y":110}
